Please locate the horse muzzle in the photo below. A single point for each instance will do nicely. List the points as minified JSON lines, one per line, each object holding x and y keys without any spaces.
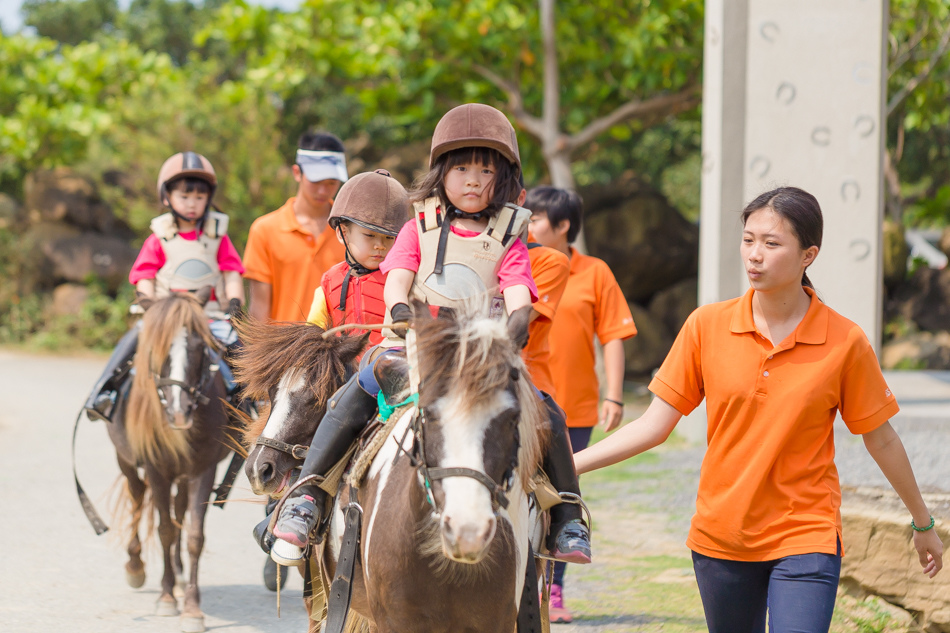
{"x":467,"y":542}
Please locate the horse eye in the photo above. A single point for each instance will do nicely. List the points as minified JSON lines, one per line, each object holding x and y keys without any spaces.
{"x":515,"y":374}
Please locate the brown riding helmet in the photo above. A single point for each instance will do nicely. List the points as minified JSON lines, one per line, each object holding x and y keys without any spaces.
{"x":374,"y":200}
{"x":475,"y":125}
{"x":186,"y":165}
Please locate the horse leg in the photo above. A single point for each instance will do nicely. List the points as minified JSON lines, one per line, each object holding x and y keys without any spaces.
{"x":199,"y":490}
{"x":135,"y":568}
{"x":181,"y":506}
{"x":168,"y":534}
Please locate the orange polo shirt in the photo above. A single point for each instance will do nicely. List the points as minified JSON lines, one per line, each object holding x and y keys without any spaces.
{"x":550,"y":269}
{"x":292,"y":260}
{"x":768,"y":487}
{"x":592,"y":304}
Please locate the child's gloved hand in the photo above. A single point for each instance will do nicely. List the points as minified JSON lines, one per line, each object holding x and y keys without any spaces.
{"x":235,"y":308}
{"x":401,"y":313}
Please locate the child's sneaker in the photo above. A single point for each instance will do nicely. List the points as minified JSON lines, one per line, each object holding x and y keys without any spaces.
{"x":297,"y":519}
{"x":572,"y":544}
{"x":557,"y":612}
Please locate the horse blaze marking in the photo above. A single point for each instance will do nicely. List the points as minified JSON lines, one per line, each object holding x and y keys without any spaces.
{"x":290,"y":383}
{"x":178,"y":357}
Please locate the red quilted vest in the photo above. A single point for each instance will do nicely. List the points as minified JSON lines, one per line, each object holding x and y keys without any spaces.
{"x":364,"y":298}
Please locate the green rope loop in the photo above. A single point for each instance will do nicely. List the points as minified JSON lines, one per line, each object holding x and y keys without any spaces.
{"x":386,"y":410}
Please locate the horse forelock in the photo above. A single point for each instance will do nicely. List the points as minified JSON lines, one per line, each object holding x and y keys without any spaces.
{"x":469,"y":360}
{"x":149,"y":435}
{"x":272,"y":351}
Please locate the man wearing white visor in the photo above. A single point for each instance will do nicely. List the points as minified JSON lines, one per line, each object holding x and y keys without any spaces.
{"x":289,"y":249}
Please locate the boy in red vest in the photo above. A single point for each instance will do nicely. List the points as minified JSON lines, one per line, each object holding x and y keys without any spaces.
{"x":368,"y":213}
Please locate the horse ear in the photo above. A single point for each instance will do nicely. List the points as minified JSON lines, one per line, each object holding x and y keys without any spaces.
{"x":204,"y":294}
{"x":518,"y":326}
{"x":143,"y":301}
{"x":420,"y":311}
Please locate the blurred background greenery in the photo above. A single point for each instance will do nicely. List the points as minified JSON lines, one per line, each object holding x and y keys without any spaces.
{"x":110,"y":90}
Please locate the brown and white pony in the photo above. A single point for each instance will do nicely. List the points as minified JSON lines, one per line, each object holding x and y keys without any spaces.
{"x":446,"y":512}
{"x":176,"y":428}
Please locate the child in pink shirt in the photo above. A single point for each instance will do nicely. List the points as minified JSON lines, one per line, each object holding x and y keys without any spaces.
{"x":188,"y":249}
{"x":463,"y":242}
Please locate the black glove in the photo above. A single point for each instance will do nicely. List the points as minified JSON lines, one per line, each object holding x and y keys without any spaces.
{"x":235,"y":308}
{"x":401,"y":313}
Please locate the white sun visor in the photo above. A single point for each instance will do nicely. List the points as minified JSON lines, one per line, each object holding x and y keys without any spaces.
{"x":322,"y":165}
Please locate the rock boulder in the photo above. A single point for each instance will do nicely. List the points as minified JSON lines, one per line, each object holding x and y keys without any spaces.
{"x":880,"y":558}
{"x":645,"y":241}
{"x":646,"y":351}
{"x":63,"y":195}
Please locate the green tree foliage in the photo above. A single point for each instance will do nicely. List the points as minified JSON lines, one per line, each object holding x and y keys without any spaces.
{"x":918,"y":108}
{"x":71,"y":21}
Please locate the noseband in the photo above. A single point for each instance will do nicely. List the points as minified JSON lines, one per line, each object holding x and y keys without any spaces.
{"x":428,"y":474}
{"x":209,"y":367}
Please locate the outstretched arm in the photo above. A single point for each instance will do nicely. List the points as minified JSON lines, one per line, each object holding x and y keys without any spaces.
{"x":261,"y":296}
{"x":887,"y":450}
{"x":649,"y":430}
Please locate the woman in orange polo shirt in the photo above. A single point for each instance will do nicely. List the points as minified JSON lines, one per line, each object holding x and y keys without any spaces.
{"x":774,"y":367}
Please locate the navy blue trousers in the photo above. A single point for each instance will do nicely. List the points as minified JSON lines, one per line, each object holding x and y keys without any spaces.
{"x":797,"y":592}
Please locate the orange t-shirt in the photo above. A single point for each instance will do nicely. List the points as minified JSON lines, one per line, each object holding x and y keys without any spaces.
{"x":283,"y":254}
{"x":550,"y":269}
{"x":592,"y":304}
{"x":768,"y":487}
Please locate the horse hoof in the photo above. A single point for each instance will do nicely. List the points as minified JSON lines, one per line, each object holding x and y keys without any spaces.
{"x":166,"y":606}
{"x":135,"y":579}
{"x":193,"y":624}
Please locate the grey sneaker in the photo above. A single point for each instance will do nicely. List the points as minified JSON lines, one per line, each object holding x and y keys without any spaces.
{"x":297,"y":519}
{"x":573,"y":543}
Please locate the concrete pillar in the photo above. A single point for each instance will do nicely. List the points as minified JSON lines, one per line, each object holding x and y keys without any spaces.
{"x":794,"y":95}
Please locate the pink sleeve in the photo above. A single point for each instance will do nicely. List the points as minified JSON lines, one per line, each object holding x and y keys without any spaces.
{"x":405,"y":252}
{"x":228,"y":258}
{"x":151,"y":258}
{"x":516,"y":269}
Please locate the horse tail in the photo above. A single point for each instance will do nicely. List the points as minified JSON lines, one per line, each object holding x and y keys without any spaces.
{"x":126,"y":517}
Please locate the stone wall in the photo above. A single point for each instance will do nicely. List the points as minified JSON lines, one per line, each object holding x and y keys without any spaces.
{"x":880,"y":558}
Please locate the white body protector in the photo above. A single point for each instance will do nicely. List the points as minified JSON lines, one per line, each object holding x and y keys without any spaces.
{"x":191,"y":264}
{"x":454,"y":268}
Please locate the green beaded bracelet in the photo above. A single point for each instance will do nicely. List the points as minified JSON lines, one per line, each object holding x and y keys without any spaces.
{"x":923,"y":529}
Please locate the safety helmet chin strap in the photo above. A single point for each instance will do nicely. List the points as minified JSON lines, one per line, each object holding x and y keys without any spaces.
{"x":355,"y":268}
{"x":199,"y":223}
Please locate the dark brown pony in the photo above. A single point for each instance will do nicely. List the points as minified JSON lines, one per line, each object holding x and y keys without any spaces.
{"x":446,"y":513}
{"x":176,"y":428}
{"x":293,"y":367}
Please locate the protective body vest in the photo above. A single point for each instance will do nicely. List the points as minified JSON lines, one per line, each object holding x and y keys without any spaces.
{"x":191,"y":264}
{"x":355,"y":298}
{"x":455,"y":268}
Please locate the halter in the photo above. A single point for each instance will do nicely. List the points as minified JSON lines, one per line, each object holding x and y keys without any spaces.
{"x":196,"y":392}
{"x":427,"y":474}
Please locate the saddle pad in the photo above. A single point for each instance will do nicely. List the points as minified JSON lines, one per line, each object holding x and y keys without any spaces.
{"x":371,"y":446}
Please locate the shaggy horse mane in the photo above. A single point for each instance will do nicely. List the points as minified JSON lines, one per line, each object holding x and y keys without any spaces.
{"x":150,"y":437}
{"x":271,"y":350}
{"x":474,"y":354}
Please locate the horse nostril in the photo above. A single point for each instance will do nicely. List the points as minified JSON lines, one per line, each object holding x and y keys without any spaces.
{"x":266,"y":473}
{"x":447,"y":526}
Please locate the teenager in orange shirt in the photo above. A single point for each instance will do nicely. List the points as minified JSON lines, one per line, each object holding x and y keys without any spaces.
{"x":289,"y":249}
{"x":775,"y":366}
{"x":592,"y":304}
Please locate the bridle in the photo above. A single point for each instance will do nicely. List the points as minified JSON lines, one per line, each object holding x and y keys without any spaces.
{"x":428,"y":474}
{"x":210,"y":364}
{"x":297,"y":451}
